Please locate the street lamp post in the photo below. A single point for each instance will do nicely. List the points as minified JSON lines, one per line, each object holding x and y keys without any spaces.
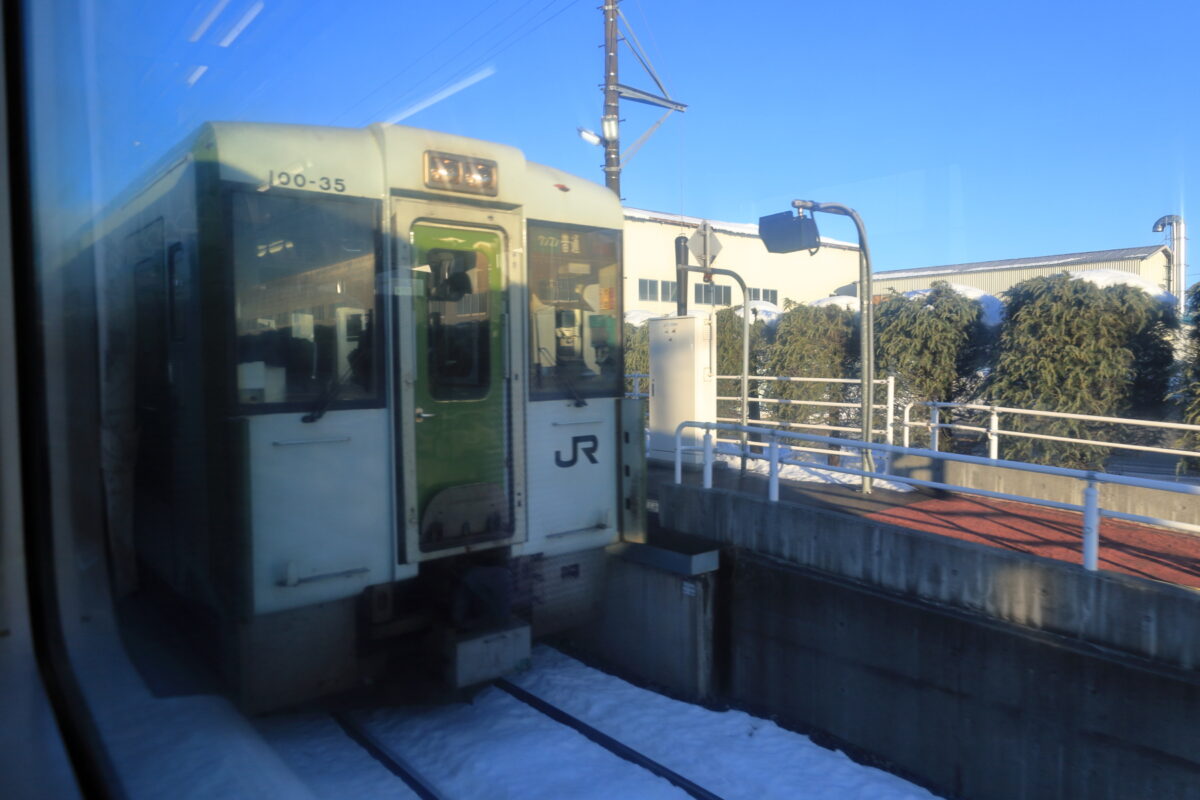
{"x":783,"y":233}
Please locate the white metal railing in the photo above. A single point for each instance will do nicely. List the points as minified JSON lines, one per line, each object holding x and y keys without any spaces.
{"x":888,"y":406}
{"x":994,"y":431}
{"x":1092,"y":512}
{"x":887,"y":432}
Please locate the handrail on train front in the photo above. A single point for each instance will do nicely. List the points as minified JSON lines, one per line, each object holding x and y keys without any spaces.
{"x":1092,"y":512}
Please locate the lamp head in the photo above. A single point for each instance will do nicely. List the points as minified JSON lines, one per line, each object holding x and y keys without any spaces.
{"x":788,"y":232}
{"x":590,"y":137}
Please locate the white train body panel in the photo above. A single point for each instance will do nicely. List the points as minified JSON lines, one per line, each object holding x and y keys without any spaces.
{"x":298,"y":472}
{"x":573,"y":463}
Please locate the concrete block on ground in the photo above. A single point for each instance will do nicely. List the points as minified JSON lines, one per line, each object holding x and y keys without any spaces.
{"x":657,"y":620}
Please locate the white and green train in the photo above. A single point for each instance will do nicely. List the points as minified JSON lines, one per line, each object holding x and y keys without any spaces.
{"x":353,"y":379}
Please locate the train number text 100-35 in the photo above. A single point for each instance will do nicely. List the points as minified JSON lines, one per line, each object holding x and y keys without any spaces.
{"x":299,"y":180}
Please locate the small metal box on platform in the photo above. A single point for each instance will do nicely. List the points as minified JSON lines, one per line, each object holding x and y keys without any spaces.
{"x":683,"y":382}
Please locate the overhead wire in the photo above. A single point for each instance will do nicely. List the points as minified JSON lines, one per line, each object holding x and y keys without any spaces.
{"x":646,"y":22}
{"x":399,"y":73}
{"x":680,"y":151}
{"x":503,"y":45}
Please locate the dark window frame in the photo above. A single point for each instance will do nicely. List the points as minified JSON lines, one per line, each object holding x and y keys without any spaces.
{"x":229,"y":190}
{"x":554,"y":390}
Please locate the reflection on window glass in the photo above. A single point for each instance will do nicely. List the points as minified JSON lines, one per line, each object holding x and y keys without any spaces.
{"x":305,"y":286}
{"x":575,"y":311}
{"x":457,"y":323}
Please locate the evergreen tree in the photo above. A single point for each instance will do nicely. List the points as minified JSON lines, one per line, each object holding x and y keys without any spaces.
{"x":817,"y":342}
{"x":934,"y":344}
{"x":1069,"y":345}
{"x":729,"y":359}
{"x":1190,"y":394}
{"x":637,"y":354}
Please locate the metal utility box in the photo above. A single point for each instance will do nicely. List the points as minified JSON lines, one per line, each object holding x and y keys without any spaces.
{"x":479,"y":657}
{"x":683,"y":382}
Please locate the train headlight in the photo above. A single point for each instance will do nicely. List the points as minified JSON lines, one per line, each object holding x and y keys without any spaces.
{"x":455,"y":173}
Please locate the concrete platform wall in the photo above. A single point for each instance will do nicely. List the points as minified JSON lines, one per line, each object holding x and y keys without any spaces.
{"x":1140,"y":618}
{"x":971,"y":710}
{"x":986,"y":674}
{"x":656,"y":627}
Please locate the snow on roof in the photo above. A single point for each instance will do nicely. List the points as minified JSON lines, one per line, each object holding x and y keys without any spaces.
{"x":840,"y":300}
{"x":737,"y":228}
{"x":763,"y":310}
{"x":1066,"y":260}
{"x":993,"y":307}
{"x":1115,"y":277}
{"x":638,"y":316}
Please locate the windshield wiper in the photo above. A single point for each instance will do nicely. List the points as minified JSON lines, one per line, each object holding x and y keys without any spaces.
{"x":563,"y":380}
{"x":325,"y":399}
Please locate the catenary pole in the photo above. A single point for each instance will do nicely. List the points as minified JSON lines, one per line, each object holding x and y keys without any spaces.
{"x":610,"y":122}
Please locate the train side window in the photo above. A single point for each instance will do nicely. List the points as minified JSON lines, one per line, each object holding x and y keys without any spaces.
{"x":574,"y":311}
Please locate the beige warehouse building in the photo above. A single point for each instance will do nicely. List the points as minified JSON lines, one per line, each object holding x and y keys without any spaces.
{"x":650,"y":266}
{"x":1152,"y":263}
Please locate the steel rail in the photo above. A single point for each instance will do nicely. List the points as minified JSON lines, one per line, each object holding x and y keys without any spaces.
{"x":607,"y":742}
{"x":393,"y":763}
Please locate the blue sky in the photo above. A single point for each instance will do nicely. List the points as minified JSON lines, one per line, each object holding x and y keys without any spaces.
{"x":961,"y":131}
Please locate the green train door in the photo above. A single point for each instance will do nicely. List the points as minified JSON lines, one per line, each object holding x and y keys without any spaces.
{"x":458,"y":394}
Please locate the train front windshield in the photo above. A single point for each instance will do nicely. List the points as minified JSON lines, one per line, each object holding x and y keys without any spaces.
{"x":304,"y":275}
{"x":575,"y":312}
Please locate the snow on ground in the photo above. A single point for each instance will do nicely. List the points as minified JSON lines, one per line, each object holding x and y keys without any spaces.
{"x":840,"y":300}
{"x":332,"y":765}
{"x":1115,"y":277}
{"x":993,"y":307}
{"x":730,"y":753}
{"x":497,"y":747}
{"x":729,"y":454}
{"x":183,"y":747}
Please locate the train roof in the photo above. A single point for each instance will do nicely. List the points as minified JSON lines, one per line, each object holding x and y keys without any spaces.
{"x":375,"y":161}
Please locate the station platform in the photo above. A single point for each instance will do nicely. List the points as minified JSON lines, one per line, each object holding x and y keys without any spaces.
{"x":1133,"y":549}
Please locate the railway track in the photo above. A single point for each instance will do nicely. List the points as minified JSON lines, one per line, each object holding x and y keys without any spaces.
{"x":426,"y":786}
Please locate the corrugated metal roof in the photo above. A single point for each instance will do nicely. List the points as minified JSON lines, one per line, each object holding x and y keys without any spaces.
{"x":1066,"y":261}
{"x":739,"y":228}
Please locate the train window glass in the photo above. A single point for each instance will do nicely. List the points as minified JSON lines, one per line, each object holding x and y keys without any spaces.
{"x":457,"y":318}
{"x":304,"y":284}
{"x":574,"y":312}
